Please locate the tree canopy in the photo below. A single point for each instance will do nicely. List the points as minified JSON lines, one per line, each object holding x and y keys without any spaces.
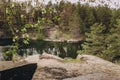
{"x":99,"y":24}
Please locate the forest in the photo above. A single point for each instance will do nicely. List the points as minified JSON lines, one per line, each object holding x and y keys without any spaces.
{"x":98,"y":26}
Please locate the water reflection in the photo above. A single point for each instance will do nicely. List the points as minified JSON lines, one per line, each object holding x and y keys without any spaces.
{"x":61,"y":49}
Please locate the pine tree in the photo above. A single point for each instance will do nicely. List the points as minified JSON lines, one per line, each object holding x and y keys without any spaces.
{"x":113,"y":41}
{"x":102,"y":44}
{"x":74,"y":23}
{"x":95,"y":41}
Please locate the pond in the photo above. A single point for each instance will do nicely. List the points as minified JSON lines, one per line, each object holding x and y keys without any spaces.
{"x":61,"y":49}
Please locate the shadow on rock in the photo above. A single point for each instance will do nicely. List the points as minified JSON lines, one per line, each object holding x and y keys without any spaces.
{"x":24,"y":72}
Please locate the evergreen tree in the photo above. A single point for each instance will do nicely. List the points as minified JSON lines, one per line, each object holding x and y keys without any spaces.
{"x":95,"y":41}
{"x":102,"y":44}
{"x":90,"y":17}
{"x":103,"y":15}
{"x":74,"y":24}
{"x":113,"y":41}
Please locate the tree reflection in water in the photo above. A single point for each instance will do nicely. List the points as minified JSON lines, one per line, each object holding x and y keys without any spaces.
{"x":61,"y":49}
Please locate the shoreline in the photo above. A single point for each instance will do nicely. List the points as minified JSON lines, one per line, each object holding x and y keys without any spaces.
{"x":64,"y":40}
{"x":46,"y":39}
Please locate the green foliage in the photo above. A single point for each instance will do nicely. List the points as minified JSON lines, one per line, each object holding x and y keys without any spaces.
{"x":94,"y":43}
{"x":102,"y":44}
{"x":16,"y":19}
{"x":69,"y":17}
{"x":113,"y":41}
{"x":97,"y":23}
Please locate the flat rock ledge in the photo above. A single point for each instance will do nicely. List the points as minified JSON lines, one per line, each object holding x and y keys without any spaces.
{"x":84,"y":67}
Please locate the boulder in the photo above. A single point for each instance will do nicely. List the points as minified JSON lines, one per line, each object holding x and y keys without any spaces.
{"x":36,"y":58}
{"x":33,"y":58}
{"x":50,"y":67}
{"x":50,"y":56}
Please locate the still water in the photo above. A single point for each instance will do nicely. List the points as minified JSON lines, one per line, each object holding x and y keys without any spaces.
{"x":61,"y":49}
